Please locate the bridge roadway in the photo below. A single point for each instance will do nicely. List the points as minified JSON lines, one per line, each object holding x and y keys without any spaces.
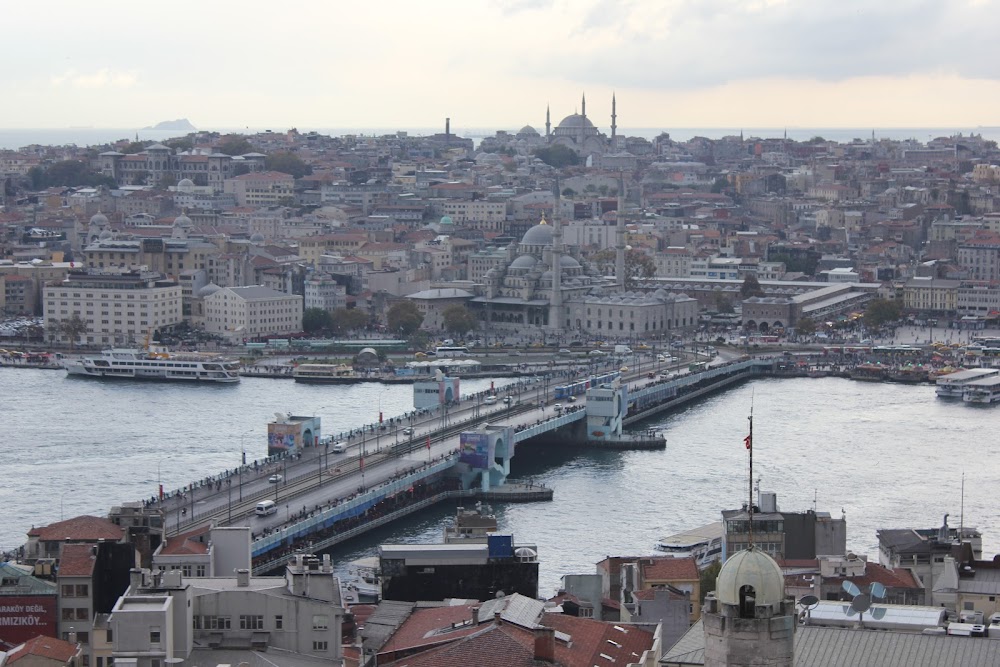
{"x":319,"y":482}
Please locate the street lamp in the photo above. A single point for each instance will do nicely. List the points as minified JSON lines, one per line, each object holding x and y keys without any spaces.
{"x":159,"y":486}
{"x":244,"y":449}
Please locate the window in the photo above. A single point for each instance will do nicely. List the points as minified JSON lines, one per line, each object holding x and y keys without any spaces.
{"x":68,"y":591}
{"x":321,"y":622}
{"x":154,"y":636}
{"x":251,"y":622}
{"x":199,"y":571}
{"x":67,"y":613}
{"x":279,"y":622}
{"x":320,"y":646}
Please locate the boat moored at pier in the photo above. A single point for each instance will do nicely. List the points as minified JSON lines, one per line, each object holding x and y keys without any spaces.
{"x":985,"y":391}
{"x":703,"y":544}
{"x":953,"y":385}
{"x":131,"y":364}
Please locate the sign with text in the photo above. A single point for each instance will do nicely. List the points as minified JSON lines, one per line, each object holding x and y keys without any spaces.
{"x":25,"y":617}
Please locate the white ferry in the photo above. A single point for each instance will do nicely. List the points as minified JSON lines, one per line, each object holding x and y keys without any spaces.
{"x":985,"y":391}
{"x":155,"y":365}
{"x":953,"y":385}
{"x":704,"y":544}
{"x":323,"y":373}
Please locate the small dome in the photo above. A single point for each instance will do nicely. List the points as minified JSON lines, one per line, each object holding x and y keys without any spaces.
{"x":446,"y":220}
{"x":527,"y":131}
{"x":99,"y":219}
{"x":524,"y":262}
{"x":540,"y":234}
{"x":183,"y":221}
{"x":751,"y":567}
{"x":208,"y":289}
{"x":257,"y":238}
{"x":106,"y":235}
{"x":185,"y":185}
{"x":568,"y":262}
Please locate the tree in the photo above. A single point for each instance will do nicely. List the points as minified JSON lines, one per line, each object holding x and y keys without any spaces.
{"x":316,"y":319}
{"x":140,"y":178}
{"x":720,"y":184}
{"x":805,"y":326}
{"x":458,"y":319}
{"x":881,"y":311}
{"x":707,"y":578}
{"x":68,"y":173}
{"x":344,"y":320}
{"x":557,"y":156}
{"x":568,"y":192}
{"x":404,"y":317}
{"x":287,"y":163}
{"x":73,"y":328}
{"x":723,"y":304}
{"x":133,"y":147}
{"x":234,"y":144}
{"x":180,"y":143}
{"x":750,"y":287}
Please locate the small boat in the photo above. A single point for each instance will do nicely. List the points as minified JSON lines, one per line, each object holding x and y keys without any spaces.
{"x":704,"y":544}
{"x":869,"y":373}
{"x":363,"y":579}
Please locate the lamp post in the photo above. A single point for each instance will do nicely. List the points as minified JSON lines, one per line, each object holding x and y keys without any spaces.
{"x":244,"y":449}
{"x":159,"y":486}
{"x":61,"y":496}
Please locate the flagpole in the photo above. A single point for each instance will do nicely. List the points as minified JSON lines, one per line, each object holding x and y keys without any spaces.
{"x":750,"y":448}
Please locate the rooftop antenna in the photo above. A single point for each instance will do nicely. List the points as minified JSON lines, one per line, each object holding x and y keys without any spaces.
{"x":748,"y":441}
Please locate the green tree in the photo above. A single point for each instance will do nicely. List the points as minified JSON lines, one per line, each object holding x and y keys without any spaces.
{"x":723,"y":304}
{"x":234,"y":144}
{"x":707,"y":578}
{"x":881,"y":311}
{"x":404,"y":317}
{"x":133,"y":147}
{"x":568,"y":192}
{"x":344,"y":320}
{"x":750,"y":287}
{"x":638,"y":265}
{"x":73,"y":328}
{"x":140,"y":178}
{"x":805,"y":326}
{"x":720,"y":184}
{"x":180,"y":143}
{"x":70,"y":173}
{"x":458,"y":319}
{"x":316,"y":319}
{"x":287,"y":163}
{"x":557,"y":156}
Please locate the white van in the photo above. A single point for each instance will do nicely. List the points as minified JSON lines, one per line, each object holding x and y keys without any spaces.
{"x":490,"y":400}
{"x":339,"y":447}
{"x":265,"y":508}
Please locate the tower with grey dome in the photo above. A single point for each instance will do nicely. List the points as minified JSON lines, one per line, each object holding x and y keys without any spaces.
{"x":748,"y":620}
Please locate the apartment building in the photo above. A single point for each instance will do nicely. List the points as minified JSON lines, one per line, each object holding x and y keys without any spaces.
{"x":243,"y":313}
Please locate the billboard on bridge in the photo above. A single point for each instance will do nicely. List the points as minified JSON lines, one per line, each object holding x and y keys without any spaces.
{"x":475,"y":450}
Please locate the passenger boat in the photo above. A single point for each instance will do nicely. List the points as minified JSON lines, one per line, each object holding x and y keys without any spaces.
{"x":323,"y":373}
{"x":983,"y":391}
{"x":953,"y":385}
{"x":474,"y":525}
{"x":869,"y":373}
{"x":908,"y":374}
{"x":153,"y":364}
{"x":704,"y":544}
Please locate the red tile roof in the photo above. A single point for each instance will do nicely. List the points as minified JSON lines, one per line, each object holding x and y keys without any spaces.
{"x":77,"y":560}
{"x":502,"y":645}
{"x":89,"y":528}
{"x":590,"y":638}
{"x":43,"y":647}
{"x":427,"y":627}
{"x":666,"y":568}
{"x":186,"y":543}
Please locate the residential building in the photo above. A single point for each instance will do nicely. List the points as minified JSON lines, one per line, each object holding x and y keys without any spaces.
{"x":43,"y":651}
{"x":931,"y":295}
{"x":322,"y":291}
{"x":267,"y":188}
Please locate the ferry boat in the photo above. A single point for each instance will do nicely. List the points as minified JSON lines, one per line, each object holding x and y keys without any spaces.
{"x":953,"y":385}
{"x":704,"y":544}
{"x":323,"y":373}
{"x":363,"y":579}
{"x":869,"y":373}
{"x":474,"y":525}
{"x":985,"y":391}
{"x":908,"y":374}
{"x":155,"y":365}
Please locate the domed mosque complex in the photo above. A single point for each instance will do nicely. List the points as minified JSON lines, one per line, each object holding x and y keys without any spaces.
{"x":547,"y":285}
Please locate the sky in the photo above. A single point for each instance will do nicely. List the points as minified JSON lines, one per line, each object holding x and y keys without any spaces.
{"x":498,"y":63}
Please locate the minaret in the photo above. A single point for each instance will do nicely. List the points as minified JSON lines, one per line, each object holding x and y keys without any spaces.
{"x":583,"y":106}
{"x":548,"y":122}
{"x":620,"y":235}
{"x":614,"y":120}
{"x":555,"y":303}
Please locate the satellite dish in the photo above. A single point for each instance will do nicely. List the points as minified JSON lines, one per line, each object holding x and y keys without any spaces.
{"x":810,"y":602}
{"x":861,"y":603}
{"x":851,"y":589}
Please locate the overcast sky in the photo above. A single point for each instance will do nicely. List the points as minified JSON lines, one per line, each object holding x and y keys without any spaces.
{"x":497,"y":63}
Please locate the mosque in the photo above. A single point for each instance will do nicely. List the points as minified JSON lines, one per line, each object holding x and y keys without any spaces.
{"x":547,"y":286}
{"x":576,"y":132}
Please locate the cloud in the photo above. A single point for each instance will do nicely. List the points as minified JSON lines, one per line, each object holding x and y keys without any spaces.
{"x":102,"y":78}
{"x":688,"y":44}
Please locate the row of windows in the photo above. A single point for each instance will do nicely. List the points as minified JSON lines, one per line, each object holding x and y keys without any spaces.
{"x":75,"y":590}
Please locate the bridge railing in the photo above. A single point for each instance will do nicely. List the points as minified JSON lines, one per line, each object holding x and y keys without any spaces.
{"x":550,"y":425}
{"x":348,"y":508}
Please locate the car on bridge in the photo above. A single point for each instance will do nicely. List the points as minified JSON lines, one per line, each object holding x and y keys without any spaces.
{"x":274,"y":479}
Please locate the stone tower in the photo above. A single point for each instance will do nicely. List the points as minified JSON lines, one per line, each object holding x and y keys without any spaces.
{"x":748,"y":620}
{"x":548,"y":122}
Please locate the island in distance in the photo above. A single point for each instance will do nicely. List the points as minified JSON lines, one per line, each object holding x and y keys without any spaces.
{"x":179,"y":124}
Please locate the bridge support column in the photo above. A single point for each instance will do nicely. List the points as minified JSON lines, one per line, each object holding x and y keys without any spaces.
{"x":606,"y":408}
{"x":484,"y":458}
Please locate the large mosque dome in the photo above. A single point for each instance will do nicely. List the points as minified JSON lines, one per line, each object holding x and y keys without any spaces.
{"x":540,"y":234}
{"x":574,"y":122}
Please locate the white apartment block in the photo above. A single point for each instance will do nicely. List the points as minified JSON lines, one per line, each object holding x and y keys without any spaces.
{"x":238,"y":313}
{"x":326,"y":293}
{"x":268,"y":188}
{"x":118,"y":308}
{"x":479,"y":214}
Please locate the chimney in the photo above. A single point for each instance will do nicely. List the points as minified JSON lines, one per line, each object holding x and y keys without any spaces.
{"x":497,"y":619}
{"x":447,"y":127}
{"x":135,"y":579}
{"x":475,"y":615}
{"x":545,"y":643}
{"x":327,"y":567}
{"x":242,"y":577}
